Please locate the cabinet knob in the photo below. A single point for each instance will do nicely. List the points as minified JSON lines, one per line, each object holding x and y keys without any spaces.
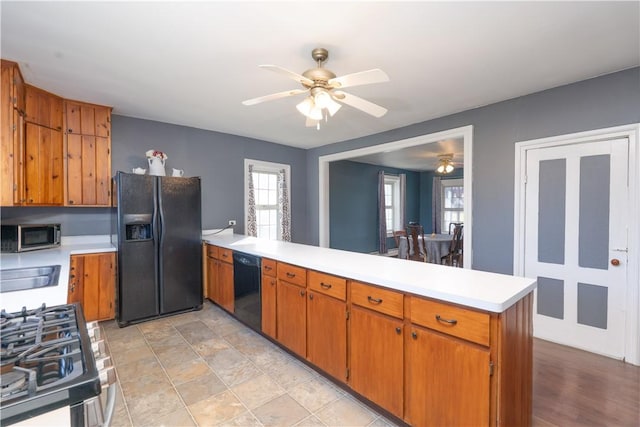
{"x":414,"y":335}
{"x":301,"y":293}
{"x":310,"y":296}
{"x":398,"y":330}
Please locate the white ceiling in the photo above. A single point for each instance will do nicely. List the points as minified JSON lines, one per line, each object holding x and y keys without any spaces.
{"x":193,"y":63}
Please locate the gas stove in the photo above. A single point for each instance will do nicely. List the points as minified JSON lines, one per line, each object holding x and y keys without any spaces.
{"x":47,"y":362}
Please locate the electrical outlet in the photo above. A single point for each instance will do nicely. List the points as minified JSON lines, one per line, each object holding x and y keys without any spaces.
{"x":232,"y":222}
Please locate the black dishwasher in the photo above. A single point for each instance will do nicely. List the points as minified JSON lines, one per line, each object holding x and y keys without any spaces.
{"x":246,"y":283}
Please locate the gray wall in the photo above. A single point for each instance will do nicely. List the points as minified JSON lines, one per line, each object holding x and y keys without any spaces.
{"x":353,"y":204}
{"x":601,"y":102}
{"x":218,"y":159}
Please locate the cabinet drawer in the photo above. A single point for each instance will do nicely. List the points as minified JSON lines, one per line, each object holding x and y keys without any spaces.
{"x":383,"y":300}
{"x":292,"y":274}
{"x":225,"y":255}
{"x":327,"y":284}
{"x":269,"y":267}
{"x":463,"y":323}
{"x":212,"y":251}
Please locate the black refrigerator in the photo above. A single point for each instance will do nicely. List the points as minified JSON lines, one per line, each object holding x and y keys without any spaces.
{"x":159,"y":240}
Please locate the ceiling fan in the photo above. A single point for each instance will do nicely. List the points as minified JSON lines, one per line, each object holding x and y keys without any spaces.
{"x":323,"y":86}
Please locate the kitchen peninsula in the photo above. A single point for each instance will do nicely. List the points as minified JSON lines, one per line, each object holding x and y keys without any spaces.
{"x":430,"y":344}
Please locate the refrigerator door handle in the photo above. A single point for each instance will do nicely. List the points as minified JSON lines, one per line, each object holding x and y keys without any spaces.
{"x":159,"y":238}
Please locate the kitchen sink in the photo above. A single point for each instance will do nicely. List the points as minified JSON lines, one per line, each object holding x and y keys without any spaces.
{"x":21,"y":279}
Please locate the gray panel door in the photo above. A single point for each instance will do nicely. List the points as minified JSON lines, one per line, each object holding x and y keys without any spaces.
{"x":576,"y":243}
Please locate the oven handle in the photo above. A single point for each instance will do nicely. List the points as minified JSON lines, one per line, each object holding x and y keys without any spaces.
{"x":111,"y":405}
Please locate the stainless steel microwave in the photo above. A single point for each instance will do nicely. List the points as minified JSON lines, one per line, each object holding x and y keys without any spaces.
{"x":29,"y":237}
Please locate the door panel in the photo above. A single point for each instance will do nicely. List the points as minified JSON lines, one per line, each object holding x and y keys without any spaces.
{"x":575,"y":231}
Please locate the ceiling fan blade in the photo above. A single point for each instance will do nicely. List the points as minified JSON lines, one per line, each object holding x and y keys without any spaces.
{"x":362,"y":78}
{"x":361,"y":104}
{"x":273,"y":96}
{"x":295,"y":76}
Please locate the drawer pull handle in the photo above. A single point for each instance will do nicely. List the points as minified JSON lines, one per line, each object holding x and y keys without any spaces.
{"x":449,"y":321}
{"x":291,"y":275}
{"x":374,"y":300}
{"x":224,"y":255}
{"x":325,"y":285}
{"x":266,"y":267}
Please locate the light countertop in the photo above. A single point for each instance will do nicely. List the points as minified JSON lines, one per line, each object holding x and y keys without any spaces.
{"x":52,"y":295}
{"x":477,"y":289}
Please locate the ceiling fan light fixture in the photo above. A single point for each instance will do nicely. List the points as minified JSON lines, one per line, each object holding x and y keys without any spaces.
{"x":333,"y":107}
{"x":305,"y":106}
{"x":322,"y":99}
{"x":445,"y":165}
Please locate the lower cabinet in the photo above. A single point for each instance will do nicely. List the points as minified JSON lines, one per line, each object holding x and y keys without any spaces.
{"x":219,"y":276}
{"x":269,"y":297}
{"x":376,"y":362}
{"x":92,"y":283}
{"x":448,"y":381}
{"x":291,"y":317}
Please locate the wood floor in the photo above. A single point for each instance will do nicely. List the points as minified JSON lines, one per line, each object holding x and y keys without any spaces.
{"x":576,"y":388}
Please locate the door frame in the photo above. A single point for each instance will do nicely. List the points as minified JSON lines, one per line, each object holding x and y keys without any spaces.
{"x":464,"y":132}
{"x":632,"y":132}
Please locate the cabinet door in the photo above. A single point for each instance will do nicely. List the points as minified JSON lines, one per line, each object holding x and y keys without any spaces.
{"x":87,"y":119}
{"x":43,"y":108}
{"x":76,"y":272}
{"x":225,"y":285}
{"x":212,"y":280}
{"x":88,"y":170}
{"x":269,"y":305}
{"x":327,"y":334}
{"x":43,"y":165}
{"x":376,"y":358}
{"x":11,"y":134}
{"x":448,"y":381}
{"x":96,"y":278}
{"x":291,"y":317}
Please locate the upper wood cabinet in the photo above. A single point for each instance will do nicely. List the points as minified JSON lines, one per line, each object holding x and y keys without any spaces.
{"x":43,"y":108}
{"x":43,"y":169}
{"x":87,"y":119}
{"x":11,"y":134}
{"x":88,"y":154}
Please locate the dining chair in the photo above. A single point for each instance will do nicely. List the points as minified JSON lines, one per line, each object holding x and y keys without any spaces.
{"x":454,"y":256}
{"x":453,"y":225}
{"x":396,"y":236}
{"x":415,"y":237}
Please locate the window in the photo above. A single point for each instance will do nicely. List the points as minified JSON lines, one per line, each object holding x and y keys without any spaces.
{"x":452,"y":202}
{"x":270,"y":202}
{"x":392,"y":206}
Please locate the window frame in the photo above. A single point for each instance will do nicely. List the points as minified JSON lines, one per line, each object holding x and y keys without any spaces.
{"x":444,"y":184}
{"x":394,"y":181}
{"x":265,"y":167}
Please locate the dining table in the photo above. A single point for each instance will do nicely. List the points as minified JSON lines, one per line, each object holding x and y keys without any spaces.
{"x":437,"y":245}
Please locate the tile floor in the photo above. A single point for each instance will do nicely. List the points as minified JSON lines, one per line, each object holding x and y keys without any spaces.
{"x":205,"y":368}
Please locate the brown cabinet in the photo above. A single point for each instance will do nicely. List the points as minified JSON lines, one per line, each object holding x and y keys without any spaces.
{"x":219,"y":276}
{"x":376,"y":358}
{"x":43,"y":166}
{"x":11,"y":134}
{"x":448,"y":380}
{"x":327,"y":323}
{"x":291,"y":308}
{"x":92,"y":280}
{"x":269,"y":297}
{"x":43,"y":108}
{"x":88,"y":154}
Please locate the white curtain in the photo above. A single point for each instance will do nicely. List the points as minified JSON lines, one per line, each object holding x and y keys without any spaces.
{"x":382,"y":216}
{"x":284,"y":210}
{"x":252,"y":222}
